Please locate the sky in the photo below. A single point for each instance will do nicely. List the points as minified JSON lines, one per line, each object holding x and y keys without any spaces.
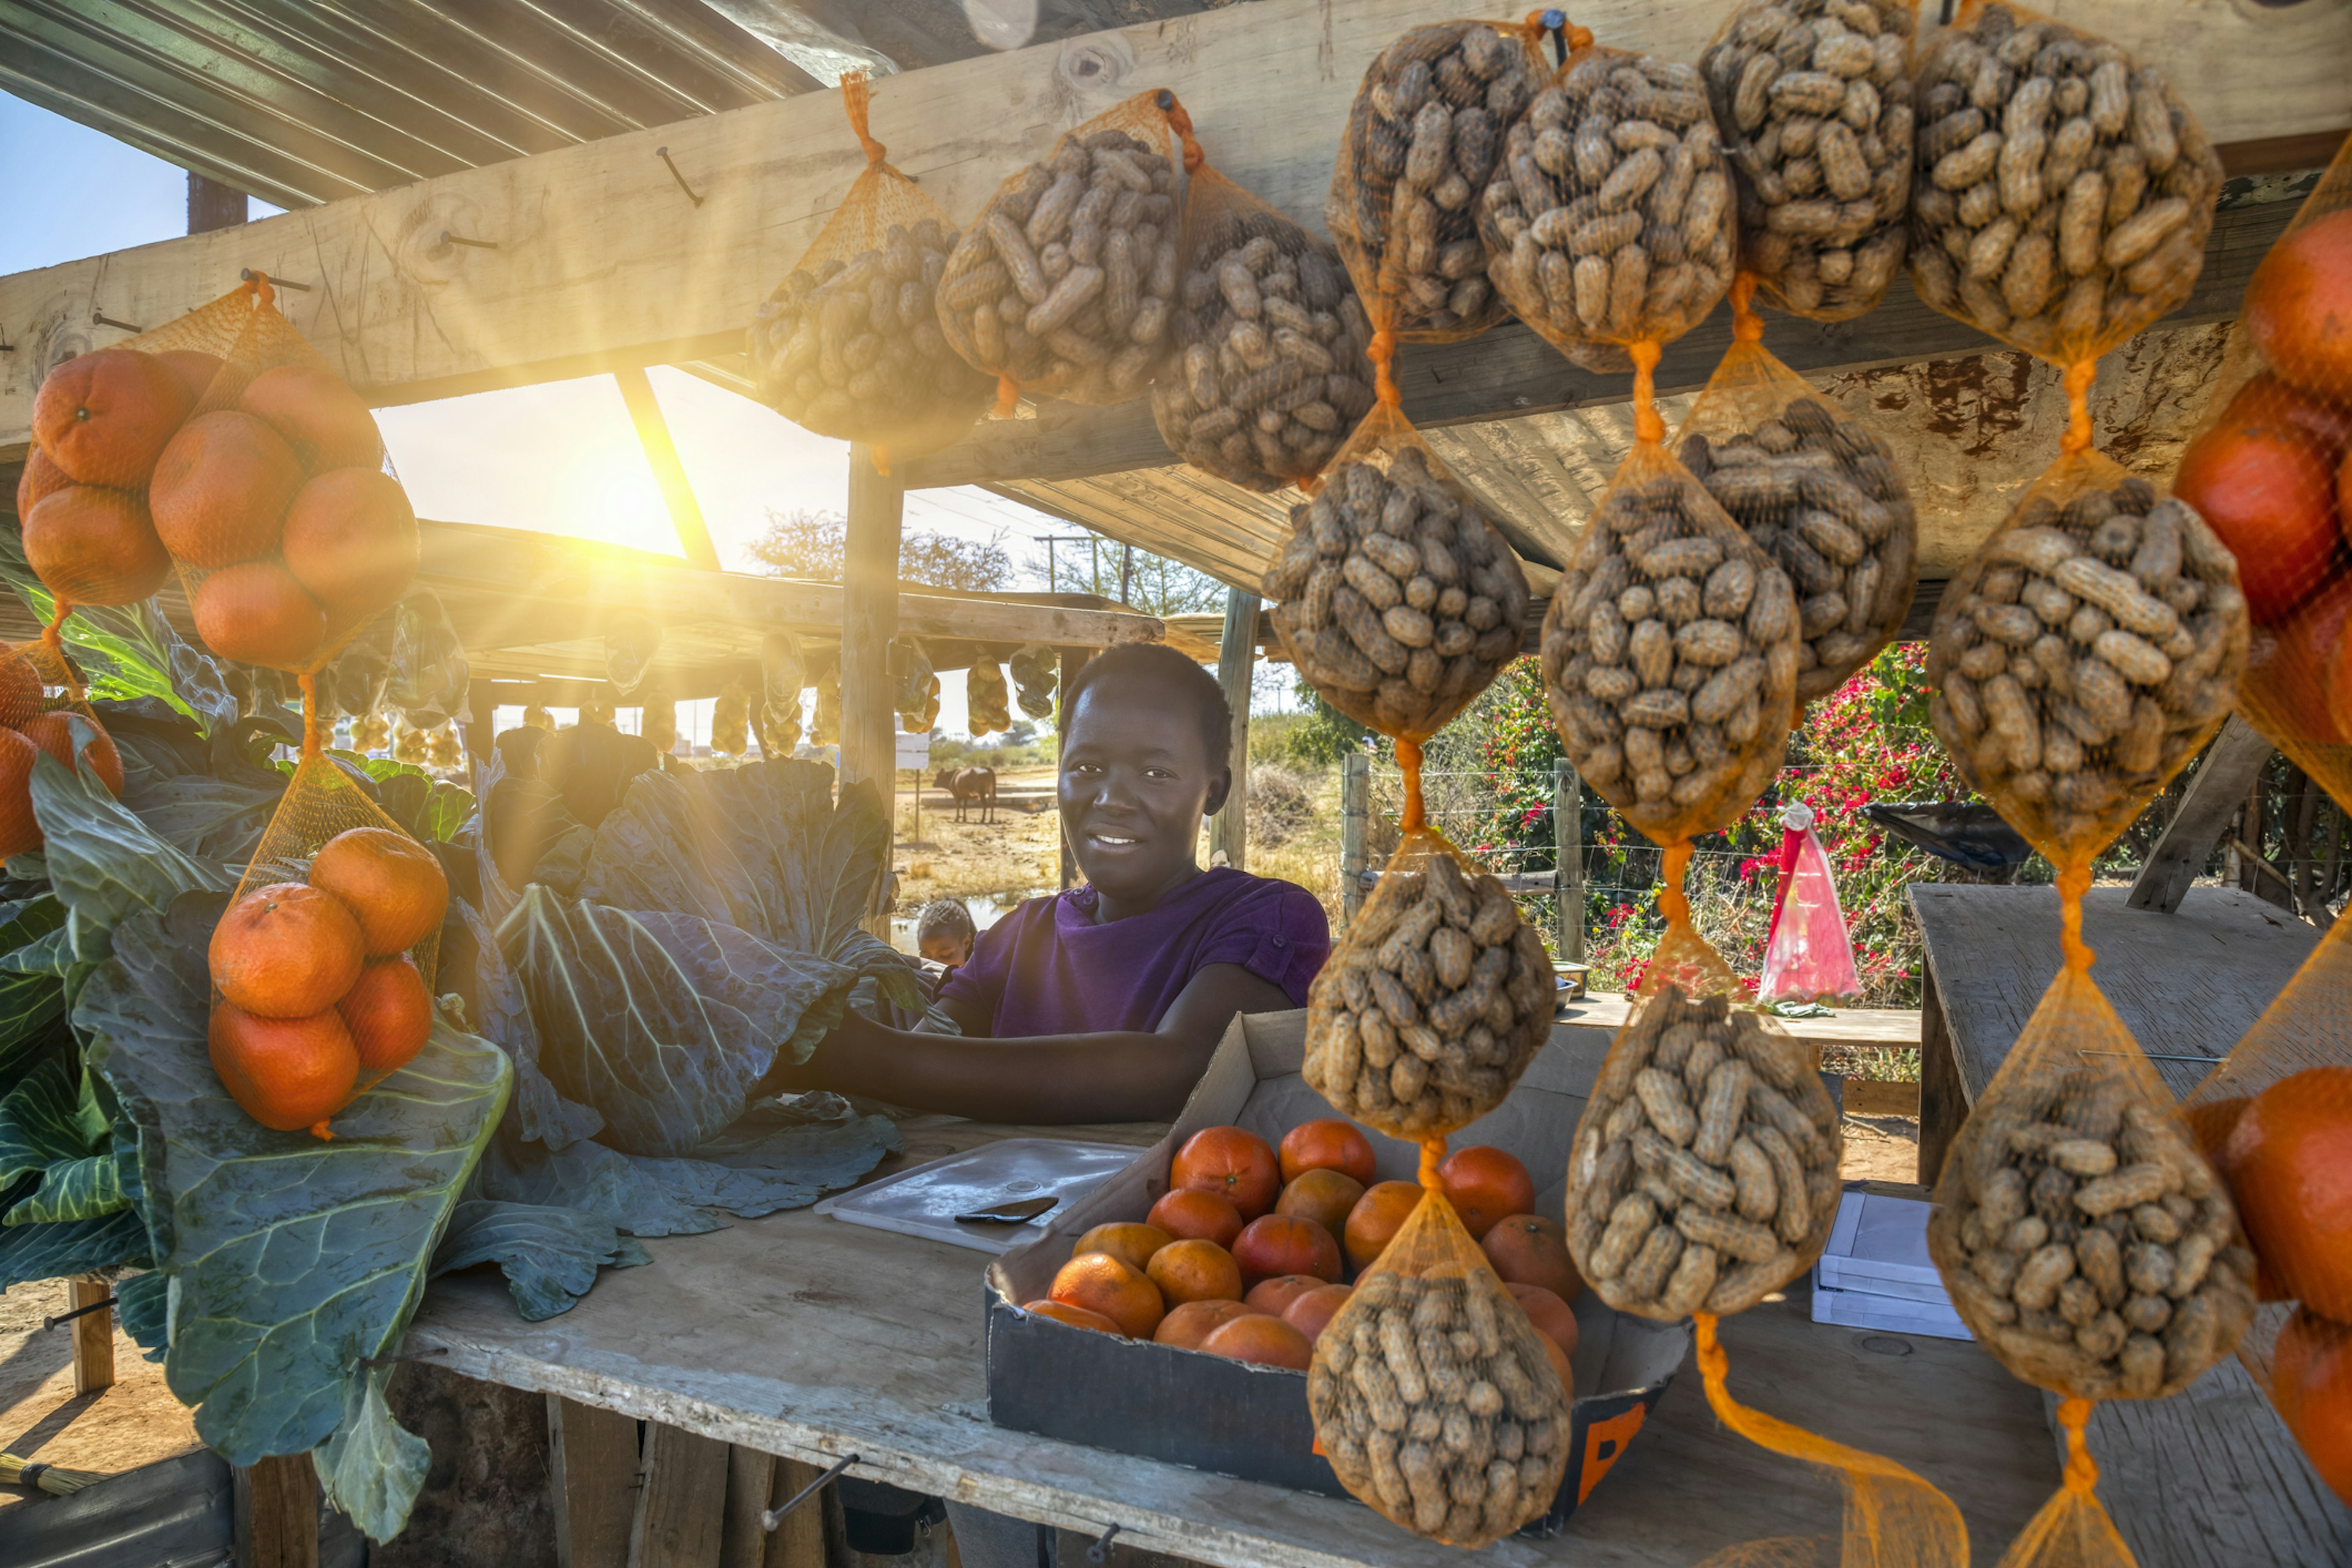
{"x":559,"y":459}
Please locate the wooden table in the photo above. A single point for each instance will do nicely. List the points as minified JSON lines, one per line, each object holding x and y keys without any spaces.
{"x":2211,"y":1479}
{"x":1876,"y":1026}
{"x":803,"y":1336}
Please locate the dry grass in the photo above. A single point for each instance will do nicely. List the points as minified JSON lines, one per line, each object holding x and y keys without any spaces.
{"x":1311,"y":855}
{"x":1019,"y":853}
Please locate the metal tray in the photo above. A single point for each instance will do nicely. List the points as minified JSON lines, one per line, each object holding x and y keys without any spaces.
{"x":925,"y":1201}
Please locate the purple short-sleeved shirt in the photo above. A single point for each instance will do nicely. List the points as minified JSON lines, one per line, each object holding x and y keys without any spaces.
{"x":1047,"y":968}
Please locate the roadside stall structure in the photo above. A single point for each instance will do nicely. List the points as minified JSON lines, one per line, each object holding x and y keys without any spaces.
{"x":633,"y":201}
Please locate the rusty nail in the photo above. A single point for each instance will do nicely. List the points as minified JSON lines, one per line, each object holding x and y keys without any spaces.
{"x":99,"y":318}
{"x":663,"y":153}
{"x":448,"y":238}
{"x":247,"y":275}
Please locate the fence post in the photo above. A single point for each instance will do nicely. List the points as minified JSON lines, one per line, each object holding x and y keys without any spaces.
{"x":1355,"y":806}
{"x":1568,"y":857}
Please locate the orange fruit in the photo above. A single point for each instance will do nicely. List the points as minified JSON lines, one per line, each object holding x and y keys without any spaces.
{"x":41,"y":477}
{"x":1560,"y":1366}
{"x":392,"y":884}
{"x":351,"y":540}
{"x":54,"y":735}
{"x":1311,"y":1313}
{"x":221,"y":490}
{"x":2210,"y":1124}
{"x":1267,"y":1342}
{"x":1194,"y":1271}
{"x":2327,"y":423}
{"x":2268,"y":491}
{"x":2311,"y":1382}
{"x":1284,"y":1244}
{"x":286,"y":951}
{"x":20,"y":831}
{"x":389,"y":1012}
{"x":1189,"y":1212}
{"x":1329,"y":1145}
{"x":1076,"y":1317}
{"x":103,"y":418}
{"x":1186,"y":1325}
{"x":258,"y":613}
{"x":1323,"y":1196}
{"x":20,"y":690}
{"x":95,"y":546}
{"x":1101,"y":1283}
{"x":285,"y":1073}
{"x":2290,"y":1168}
{"x":1527,"y":1250}
{"x":319,"y":417}
{"x":1275,"y":1295}
{"x":1484,"y":1184}
{"x":1377,"y":1215}
{"x":1552,"y":1317}
{"x":195,"y":369}
{"x":1132,"y":1245}
{"x":2298,"y":307}
{"x":1232,"y":1162}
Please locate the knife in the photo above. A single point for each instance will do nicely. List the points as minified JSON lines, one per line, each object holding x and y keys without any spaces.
{"x":1012,"y":1211}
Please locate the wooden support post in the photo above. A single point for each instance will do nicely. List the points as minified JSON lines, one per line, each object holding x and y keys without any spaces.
{"x":1355,"y":810}
{"x":213,"y":205}
{"x":93,"y":1333}
{"x":751,"y":1486}
{"x":275,"y":1508}
{"x":1236,"y":668}
{"x":682,"y":1506}
{"x":481,"y":721}
{"x":2234,"y":764}
{"x":869,"y":579}
{"x":1074,"y":659}
{"x":1568,"y":857}
{"x":669,"y":473}
{"x":592,"y":1469}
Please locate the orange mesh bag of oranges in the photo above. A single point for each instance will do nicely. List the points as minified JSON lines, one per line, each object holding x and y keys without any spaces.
{"x":1065,"y":283}
{"x":42,"y":709}
{"x":850,"y":344}
{"x":2273,"y":474}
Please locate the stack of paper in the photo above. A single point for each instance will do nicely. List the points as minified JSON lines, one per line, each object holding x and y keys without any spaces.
{"x":1876,"y":1272}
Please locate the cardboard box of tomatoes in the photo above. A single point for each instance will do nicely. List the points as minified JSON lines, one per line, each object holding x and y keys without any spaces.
{"x":1087,"y":1367}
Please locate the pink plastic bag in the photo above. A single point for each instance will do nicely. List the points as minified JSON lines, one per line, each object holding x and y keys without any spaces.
{"x":1808,"y":955}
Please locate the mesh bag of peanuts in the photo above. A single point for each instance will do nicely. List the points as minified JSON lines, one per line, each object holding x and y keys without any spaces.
{"x":1434,"y":1398}
{"x":1270,"y":340}
{"x":783,"y":676}
{"x":850,"y":344}
{"x":1610,"y":215}
{"x":1812,"y":100}
{"x":1817,"y":491}
{"x":1065,"y":284}
{"x":1396,"y":595}
{"x":1035,"y":670}
{"x":1433,"y":1003}
{"x":989,"y":701}
{"x":1423,"y":137}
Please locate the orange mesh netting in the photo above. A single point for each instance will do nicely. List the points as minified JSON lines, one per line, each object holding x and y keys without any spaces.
{"x":850,"y":344}
{"x":42,"y":709}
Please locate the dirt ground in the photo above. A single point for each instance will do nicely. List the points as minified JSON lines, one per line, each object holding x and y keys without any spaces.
{"x":136,"y":1422}
{"x":1881,"y":1148}
{"x":1019,"y":853}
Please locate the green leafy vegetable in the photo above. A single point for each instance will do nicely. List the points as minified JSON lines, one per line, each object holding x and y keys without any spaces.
{"x":127,"y":651}
{"x":550,"y":1254}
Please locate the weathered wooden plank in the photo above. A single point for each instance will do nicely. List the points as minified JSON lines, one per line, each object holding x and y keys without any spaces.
{"x":601,"y":261}
{"x":592,"y":1459}
{"x":751,"y":1481}
{"x":2216,"y":790}
{"x":669,"y":474}
{"x":93,"y":1333}
{"x":275,"y":1506}
{"x":1236,"y":664}
{"x":799,"y":1539}
{"x":682,"y":1506}
{"x":870,"y":620}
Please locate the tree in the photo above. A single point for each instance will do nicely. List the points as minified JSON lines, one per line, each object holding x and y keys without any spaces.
{"x":1155,"y":584}
{"x":810,"y":545}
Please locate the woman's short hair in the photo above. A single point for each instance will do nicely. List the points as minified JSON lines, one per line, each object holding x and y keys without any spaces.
{"x":1157,"y":661}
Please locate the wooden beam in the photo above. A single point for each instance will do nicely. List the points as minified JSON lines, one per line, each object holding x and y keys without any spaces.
{"x":1568,"y":858}
{"x":681,"y":1508}
{"x":93,"y":1333}
{"x":601,"y":261}
{"x":1073,"y":660}
{"x":669,"y":473}
{"x":869,"y":619}
{"x":1236,"y":668}
{"x":2216,"y":790}
{"x":274,"y":1508}
{"x":593,"y":1470}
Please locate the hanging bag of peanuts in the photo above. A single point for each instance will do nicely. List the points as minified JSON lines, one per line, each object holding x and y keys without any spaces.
{"x":1065,"y":286}
{"x":1609,"y":217}
{"x":1271,"y":342}
{"x":1434,"y":1398}
{"x":849,"y":345}
{"x":1817,"y":491}
{"x":1813,"y":102}
{"x":987,"y":697}
{"x":1423,"y":137}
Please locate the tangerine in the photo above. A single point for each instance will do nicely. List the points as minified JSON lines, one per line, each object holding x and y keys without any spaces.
{"x":257,"y":614}
{"x":20,"y":830}
{"x":1560,"y":1366}
{"x":316,"y":415}
{"x":2311,"y":1380}
{"x":2302,"y":663}
{"x":1132,"y":1245}
{"x":41,"y":477}
{"x":1263,"y":1340}
{"x":2298,"y":305}
{"x":286,"y":951}
{"x":1377,"y":1215}
{"x":285,"y":1073}
{"x":1284,"y":1244}
{"x":351,"y":540}
{"x":1191,"y":1212}
{"x":1101,"y":1283}
{"x":2289,"y":1161}
{"x":221,"y":490}
{"x":1186,"y":1325}
{"x":1527,"y":1250}
{"x":392,"y":884}
{"x":1195,"y":1271}
{"x":2327,"y":423}
{"x":1552,"y":1317}
{"x":1311,"y":1313}
{"x":1230,"y":1161}
{"x":104,"y":418}
{"x":1484,"y":1184}
{"x":389,"y":1012}
{"x":53,"y":734}
{"x":2210,"y":1124}
{"x":194,"y":368}
{"x":95,"y":546}
{"x":1329,"y":1145}
{"x":2268,"y":491}
{"x":20,"y":690}
{"x":1275,"y":1295}
{"x":1322,"y":1194}
{"x":1076,"y":1317}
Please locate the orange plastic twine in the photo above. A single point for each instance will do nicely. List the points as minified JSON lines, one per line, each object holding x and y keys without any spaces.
{"x":1382,"y":350}
{"x":1649,"y":431}
{"x":1746,"y":326}
{"x":1432,"y":1154}
{"x":1672,"y":902}
{"x":1409,"y":760}
{"x":309,"y":684}
{"x":2079,"y":376}
{"x":2073,"y":881}
{"x":855,"y":93}
{"x":53,"y":639}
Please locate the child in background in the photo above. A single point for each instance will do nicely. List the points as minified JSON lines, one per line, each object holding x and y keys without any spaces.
{"x":944,"y":935}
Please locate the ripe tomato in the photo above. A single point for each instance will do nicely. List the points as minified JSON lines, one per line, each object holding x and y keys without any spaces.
{"x":2299,"y":305}
{"x":2268,"y":491}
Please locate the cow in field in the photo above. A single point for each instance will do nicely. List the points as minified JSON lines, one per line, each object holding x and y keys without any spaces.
{"x":970,"y":786}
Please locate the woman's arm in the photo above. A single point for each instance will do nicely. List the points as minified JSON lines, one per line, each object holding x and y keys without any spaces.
{"x":1127,"y":1075}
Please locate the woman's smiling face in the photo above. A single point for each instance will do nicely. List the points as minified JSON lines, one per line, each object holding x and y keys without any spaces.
{"x":1135,"y":782}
